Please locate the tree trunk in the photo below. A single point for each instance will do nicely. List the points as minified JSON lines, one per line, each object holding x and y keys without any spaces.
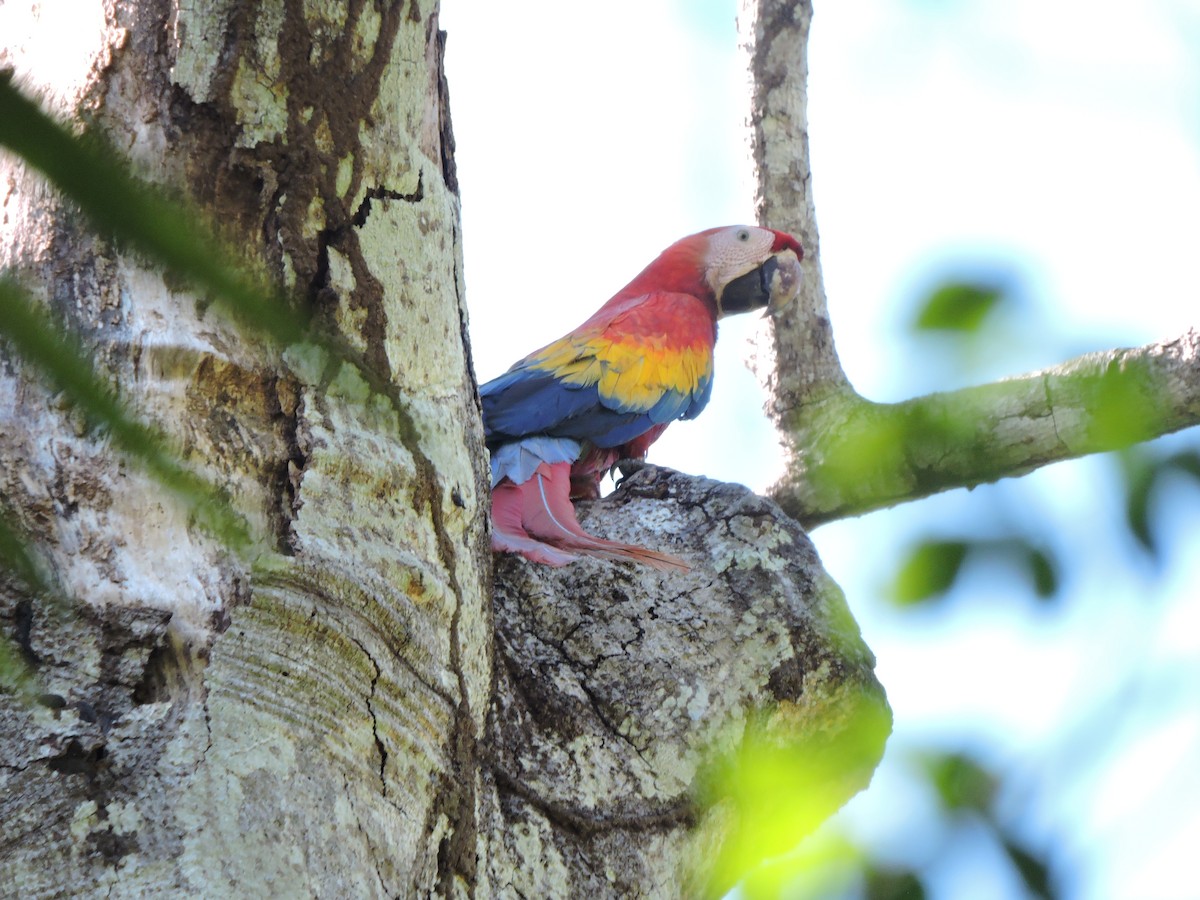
{"x":303,"y":721}
{"x":322,"y":715}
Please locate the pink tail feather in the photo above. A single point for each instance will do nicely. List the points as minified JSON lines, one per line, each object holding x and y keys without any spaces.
{"x":536,"y":519}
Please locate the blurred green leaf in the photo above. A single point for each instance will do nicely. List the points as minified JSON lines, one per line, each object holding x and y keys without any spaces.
{"x":1187,"y":462}
{"x":1139,"y":473}
{"x":1143,"y":474}
{"x":870,"y":450}
{"x":15,"y":675}
{"x":958,"y":306}
{"x":1035,"y":872}
{"x":893,"y":884}
{"x":779,"y":786}
{"x":15,"y":557}
{"x":933,"y":566}
{"x":929,"y":571}
{"x":1124,"y":405}
{"x":1044,"y":572}
{"x":19,"y":561}
{"x":868,"y":446}
{"x":823,"y":865}
{"x":962,"y":784}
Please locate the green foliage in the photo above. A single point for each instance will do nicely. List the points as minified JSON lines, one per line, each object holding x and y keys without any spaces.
{"x":893,"y":884}
{"x":15,"y":675}
{"x":779,"y":786}
{"x":961,"y":783}
{"x":170,"y":235}
{"x":16,"y":558}
{"x":966,"y":789}
{"x":934,"y":566}
{"x":866,"y":450}
{"x":1124,"y":412}
{"x":28,"y":574}
{"x":1146,"y":474}
{"x":1033,"y":870}
{"x":930,"y":570}
{"x":968,"y":794}
{"x":959,"y":306}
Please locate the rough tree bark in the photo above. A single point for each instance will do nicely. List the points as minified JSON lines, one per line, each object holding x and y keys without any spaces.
{"x":338,"y":713}
{"x":614,"y":685}
{"x":304,"y":721}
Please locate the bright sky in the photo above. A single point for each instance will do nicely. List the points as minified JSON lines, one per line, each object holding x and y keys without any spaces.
{"x":1056,"y":139}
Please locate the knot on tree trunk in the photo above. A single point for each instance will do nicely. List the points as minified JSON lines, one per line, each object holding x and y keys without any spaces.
{"x":617,"y":686}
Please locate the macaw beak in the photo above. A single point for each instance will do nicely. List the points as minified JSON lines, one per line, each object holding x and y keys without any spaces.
{"x":786,"y":278}
{"x":772,"y":286}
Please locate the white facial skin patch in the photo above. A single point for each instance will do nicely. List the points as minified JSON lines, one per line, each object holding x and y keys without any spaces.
{"x":734,"y":251}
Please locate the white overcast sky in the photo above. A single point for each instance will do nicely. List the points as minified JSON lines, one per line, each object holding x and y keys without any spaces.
{"x":1057,"y":139}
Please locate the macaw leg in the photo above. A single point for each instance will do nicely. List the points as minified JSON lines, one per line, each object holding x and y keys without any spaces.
{"x":588,"y":471}
{"x":509,"y":536}
{"x":547,"y":514}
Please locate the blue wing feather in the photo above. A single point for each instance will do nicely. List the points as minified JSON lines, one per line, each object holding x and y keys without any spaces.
{"x":527,"y":402}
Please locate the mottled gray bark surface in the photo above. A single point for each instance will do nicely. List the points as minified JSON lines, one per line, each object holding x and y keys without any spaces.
{"x":615,"y":685}
{"x":804,"y":368}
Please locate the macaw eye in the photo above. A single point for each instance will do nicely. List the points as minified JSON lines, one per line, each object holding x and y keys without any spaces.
{"x":743,"y":234}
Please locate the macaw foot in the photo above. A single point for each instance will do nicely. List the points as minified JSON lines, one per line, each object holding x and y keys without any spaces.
{"x":530,"y":548}
{"x":627,"y":466}
{"x":510,"y":536}
{"x":536,"y":519}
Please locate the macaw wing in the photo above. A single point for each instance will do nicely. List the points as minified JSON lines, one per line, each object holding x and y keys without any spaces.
{"x":612,"y":381}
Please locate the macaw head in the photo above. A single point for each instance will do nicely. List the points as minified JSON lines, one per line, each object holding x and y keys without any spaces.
{"x":734,"y":269}
{"x":751,"y":268}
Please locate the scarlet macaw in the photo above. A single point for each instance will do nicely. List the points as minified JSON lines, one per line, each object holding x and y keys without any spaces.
{"x":562,"y":416}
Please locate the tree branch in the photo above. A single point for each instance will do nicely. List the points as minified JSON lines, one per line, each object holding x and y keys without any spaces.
{"x":775,"y":37}
{"x":849,"y":455}
{"x":860,"y":455}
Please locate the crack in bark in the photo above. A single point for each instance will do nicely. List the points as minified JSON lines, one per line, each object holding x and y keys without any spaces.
{"x":585,"y":823}
{"x":359,"y":219}
{"x":459,"y":805}
{"x":1050,"y":405}
{"x":375,"y":721}
{"x":613,"y":728}
{"x":290,"y":470}
{"x":362,"y":831}
{"x":370,"y":701}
